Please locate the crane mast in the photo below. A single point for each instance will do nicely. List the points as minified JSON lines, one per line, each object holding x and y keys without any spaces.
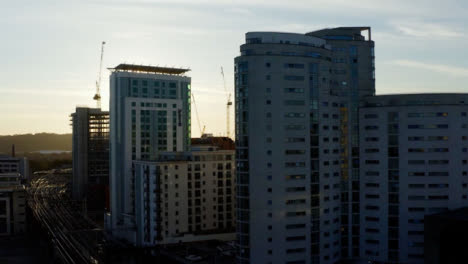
{"x":97,"y":96}
{"x":202,"y":130}
{"x":228,"y":106}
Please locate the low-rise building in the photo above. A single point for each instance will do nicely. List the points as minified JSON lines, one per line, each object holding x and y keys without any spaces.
{"x":12,"y":204}
{"x":11,"y":164}
{"x":186,"y":196}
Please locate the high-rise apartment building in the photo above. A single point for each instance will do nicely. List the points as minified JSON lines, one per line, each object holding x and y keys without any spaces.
{"x":296,"y":130}
{"x":149,"y":114}
{"x":90,"y":150}
{"x":187,"y":196}
{"x":414,"y":162}
{"x":354,"y":72}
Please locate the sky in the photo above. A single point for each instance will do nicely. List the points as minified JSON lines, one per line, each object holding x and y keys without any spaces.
{"x":50,"y":49}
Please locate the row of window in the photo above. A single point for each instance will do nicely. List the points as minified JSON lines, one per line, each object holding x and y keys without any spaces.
{"x":155,"y":83}
{"x":413,"y":115}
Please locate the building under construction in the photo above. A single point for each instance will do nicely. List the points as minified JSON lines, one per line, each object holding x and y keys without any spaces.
{"x":90,"y":181}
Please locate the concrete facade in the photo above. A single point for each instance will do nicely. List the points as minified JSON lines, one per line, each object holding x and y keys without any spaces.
{"x":90,"y":152}
{"x":149,"y":114}
{"x":296,"y":113}
{"x":186,"y":197}
{"x":12,"y":204}
{"x":19,"y":165}
{"x":414,"y":151}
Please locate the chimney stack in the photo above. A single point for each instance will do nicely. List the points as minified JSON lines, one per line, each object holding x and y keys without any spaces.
{"x":13,"y":154}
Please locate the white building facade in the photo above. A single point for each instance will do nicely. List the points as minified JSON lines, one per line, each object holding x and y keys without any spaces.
{"x":297,"y":144}
{"x":414,"y":152}
{"x":149,"y":114}
{"x":186,"y":197}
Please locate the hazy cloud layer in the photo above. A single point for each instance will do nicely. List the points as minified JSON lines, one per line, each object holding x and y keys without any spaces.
{"x":50,"y":49}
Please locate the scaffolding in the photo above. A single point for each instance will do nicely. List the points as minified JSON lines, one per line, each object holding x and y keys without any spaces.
{"x":91,"y":160}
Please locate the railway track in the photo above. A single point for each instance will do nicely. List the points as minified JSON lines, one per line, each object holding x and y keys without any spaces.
{"x":75,"y":237}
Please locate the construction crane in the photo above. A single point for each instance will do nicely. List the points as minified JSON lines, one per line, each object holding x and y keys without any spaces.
{"x":97,"y":96}
{"x":228,"y":106}
{"x":202,"y":130}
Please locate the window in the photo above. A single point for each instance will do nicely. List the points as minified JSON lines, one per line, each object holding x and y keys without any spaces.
{"x":297,"y":201}
{"x":294,"y":140}
{"x":294,"y":164}
{"x":293,"y":90}
{"x":371,"y":127}
{"x":294,"y":115}
{"x":372,"y":207}
{"x":415,"y":150}
{"x":438,"y":173}
{"x":438,"y":150}
{"x":294,"y":65}
{"x":295,"y":250}
{"x":438,"y":162}
{"x":372,"y":185}
{"x":295,"y":189}
{"x":294,"y":214}
{"x":295,"y":226}
{"x":437,"y":138}
{"x":294,"y":151}
{"x":438,"y":114}
{"x":295,"y":238}
{"x":371,"y":219}
{"x":295,"y":177}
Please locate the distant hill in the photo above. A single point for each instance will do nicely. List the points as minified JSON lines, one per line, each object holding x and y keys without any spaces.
{"x":36,"y":142}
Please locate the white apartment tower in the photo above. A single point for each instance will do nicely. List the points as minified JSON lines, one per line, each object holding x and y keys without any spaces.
{"x":296,"y":96}
{"x":149,"y":114}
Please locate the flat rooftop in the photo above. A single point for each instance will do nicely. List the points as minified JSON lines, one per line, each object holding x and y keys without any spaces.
{"x":148,"y":69}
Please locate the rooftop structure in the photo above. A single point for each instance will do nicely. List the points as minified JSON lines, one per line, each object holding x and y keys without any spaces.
{"x":149,"y":69}
{"x":342,"y":33}
{"x":222,"y":143}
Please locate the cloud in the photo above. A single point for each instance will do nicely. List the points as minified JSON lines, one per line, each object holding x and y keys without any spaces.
{"x":46,"y":92}
{"x":240,"y":11}
{"x":439,"y":68}
{"x":425,"y":30}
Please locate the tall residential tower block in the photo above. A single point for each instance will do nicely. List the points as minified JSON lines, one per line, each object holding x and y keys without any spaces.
{"x":297,"y":98}
{"x":149,"y":114}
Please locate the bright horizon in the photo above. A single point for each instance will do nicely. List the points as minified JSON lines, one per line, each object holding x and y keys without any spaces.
{"x":51,"y":49}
